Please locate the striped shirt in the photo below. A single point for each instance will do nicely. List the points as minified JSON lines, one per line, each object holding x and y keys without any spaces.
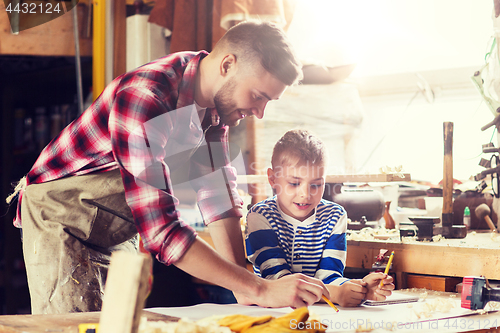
{"x":146,"y":124}
{"x":277,"y":244}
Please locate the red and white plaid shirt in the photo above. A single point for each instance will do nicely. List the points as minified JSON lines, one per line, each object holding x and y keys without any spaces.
{"x":146,"y":123}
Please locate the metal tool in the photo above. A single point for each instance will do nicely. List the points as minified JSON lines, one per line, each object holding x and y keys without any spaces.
{"x":78,"y":66}
{"x":364,"y":207}
{"x":425,"y":225}
{"x":381,"y":261}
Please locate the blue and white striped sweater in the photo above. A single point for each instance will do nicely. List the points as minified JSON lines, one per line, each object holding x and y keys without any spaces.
{"x":278,"y":244}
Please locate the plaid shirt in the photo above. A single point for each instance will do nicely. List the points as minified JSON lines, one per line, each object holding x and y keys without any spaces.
{"x":146,"y":123}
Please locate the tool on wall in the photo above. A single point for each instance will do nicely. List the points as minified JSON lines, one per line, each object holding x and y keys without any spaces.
{"x":449,"y":230}
{"x":79,"y":90}
{"x":492,"y":168}
{"x":477,"y":292}
{"x":483,"y":212}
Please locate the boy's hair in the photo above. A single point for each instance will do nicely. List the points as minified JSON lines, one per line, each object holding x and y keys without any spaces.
{"x":298,"y":147}
{"x":265,"y":43}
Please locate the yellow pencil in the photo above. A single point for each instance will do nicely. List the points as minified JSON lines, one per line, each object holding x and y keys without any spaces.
{"x":387,"y":267}
{"x":330,"y":303}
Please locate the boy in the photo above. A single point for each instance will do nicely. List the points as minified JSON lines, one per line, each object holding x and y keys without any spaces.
{"x":297,"y":231}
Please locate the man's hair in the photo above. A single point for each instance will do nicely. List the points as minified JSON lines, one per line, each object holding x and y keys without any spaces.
{"x":298,"y":147}
{"x":252,"y":41}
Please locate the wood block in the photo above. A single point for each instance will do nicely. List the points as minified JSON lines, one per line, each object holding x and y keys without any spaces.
{"x":438,"y":283}
{"x":125,"y":292}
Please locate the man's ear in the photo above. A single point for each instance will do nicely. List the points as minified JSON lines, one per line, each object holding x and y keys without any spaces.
{"x":227,"y":64}
{"x":271,"y":177}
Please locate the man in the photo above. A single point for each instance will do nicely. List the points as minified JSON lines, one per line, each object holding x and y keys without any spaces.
{"x":109,"y":175}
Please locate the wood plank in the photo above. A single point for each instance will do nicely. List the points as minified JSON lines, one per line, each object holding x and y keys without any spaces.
{"x":54,"y":38}
{"x":120,"y":38}
{"x":62,"y":323}
{"x":438,"y":283}
{"x":125,"y":292}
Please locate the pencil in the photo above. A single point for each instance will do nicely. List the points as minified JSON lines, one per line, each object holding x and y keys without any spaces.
{"x":330,"y":303}
{"x":387,"y":268}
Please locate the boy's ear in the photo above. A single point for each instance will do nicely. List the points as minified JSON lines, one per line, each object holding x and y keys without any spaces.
{"x":271,"y":177}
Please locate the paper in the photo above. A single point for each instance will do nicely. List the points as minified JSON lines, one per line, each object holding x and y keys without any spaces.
{"x":433,"y":313}
{"x":395,"y":298}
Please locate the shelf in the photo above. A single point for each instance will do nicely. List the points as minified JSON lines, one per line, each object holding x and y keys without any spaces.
{"x":361,"y":178}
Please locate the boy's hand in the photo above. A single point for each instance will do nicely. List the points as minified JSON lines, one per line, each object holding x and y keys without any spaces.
{"x":349,"y":294}
{"x":375,"y":293}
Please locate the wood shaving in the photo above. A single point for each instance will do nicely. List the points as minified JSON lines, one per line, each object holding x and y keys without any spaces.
{"x":368,"y":234}
{"x":437,"y":238}
{"x":397,"y":170}
{"x":492,"y":306}
{"x":431,"y":306}
{"x":409,"y":239}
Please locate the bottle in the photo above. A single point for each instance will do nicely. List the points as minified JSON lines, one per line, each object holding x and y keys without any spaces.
{"x":389,"y":221}
{"x":467,"y":217}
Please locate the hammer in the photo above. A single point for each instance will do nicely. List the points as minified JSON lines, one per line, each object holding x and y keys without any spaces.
{"x":476,"y":292}
{"x":483,"y":211}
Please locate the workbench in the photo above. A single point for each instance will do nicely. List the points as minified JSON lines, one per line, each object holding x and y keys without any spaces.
{"x":477,"y":254}
{"x":61,"y":323}
{"x":446,"y":316}
{"x":434,"y":312}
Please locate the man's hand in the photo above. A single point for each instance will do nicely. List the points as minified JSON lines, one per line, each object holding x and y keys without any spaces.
{"x":350,"y":293}
{"x":375,"y":293}
{"x":294,"y":290}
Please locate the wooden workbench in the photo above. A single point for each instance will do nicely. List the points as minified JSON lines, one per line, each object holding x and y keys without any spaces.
{"x":477,"y":254}
{"x":62,"y":323}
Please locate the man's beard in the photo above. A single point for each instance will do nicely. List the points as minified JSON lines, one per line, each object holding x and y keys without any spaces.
{"x":224,"y":102}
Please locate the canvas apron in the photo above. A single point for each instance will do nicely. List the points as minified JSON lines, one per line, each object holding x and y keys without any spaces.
{"x":70,"y":227}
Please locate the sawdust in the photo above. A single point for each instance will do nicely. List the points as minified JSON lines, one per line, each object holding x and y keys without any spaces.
{"x":491,"y":306}
{"x":396,"y":170}
{"x":427,"y":309}
{"x":366,"y":234}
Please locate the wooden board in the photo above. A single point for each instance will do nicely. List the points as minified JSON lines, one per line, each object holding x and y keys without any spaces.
{"x":438,"y":283}
{"x":63,"y":323}
{"x":54,"y":38}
